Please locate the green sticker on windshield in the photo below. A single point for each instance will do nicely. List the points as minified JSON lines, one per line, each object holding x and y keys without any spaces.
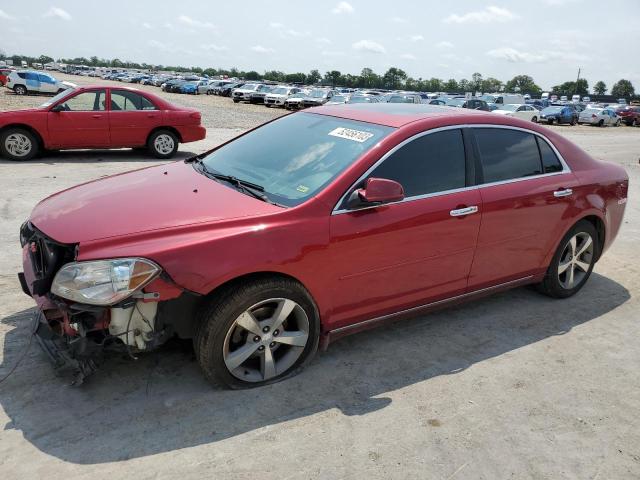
{"x":302,"y":188}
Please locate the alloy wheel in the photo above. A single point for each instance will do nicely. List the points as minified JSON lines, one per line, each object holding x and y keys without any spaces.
{"x":164,"y":144}
{"x":266,"y":340}
{"x":576,"y":260}
{"x":18,"y":145}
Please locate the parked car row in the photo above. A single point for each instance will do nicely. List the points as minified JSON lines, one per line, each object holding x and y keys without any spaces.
{"x":23,"y":82}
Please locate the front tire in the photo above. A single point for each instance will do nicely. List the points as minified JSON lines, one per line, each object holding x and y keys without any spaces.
{"x":163,"y":144}
{"x":20,"y":90}
{"x":18,"y":144}
{"x":572,"y":263}
{"x":534,"y":119}
{"x":258,"y":333}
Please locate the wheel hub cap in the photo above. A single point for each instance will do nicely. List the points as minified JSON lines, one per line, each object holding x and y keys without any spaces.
{"x":164,"y":144}
{"x":575,"y":260}
{"x":253,"y":353}
{"x":18,"y":145}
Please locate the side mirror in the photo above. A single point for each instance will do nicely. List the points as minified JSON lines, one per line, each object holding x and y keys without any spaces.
{"x":377,"y":191}
{"x":58,"y":108}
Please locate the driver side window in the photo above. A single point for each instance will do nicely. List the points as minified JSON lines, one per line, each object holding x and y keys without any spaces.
{"x":431,"y":163}
{"x":85,"y":102}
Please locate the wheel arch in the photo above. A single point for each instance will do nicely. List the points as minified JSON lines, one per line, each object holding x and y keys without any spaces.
{"x":171,"y":129}
{"x":599,"y":225}
{"x":29,"y":128}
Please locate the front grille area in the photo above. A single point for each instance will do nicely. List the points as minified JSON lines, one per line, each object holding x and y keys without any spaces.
{"x":46,"y":255}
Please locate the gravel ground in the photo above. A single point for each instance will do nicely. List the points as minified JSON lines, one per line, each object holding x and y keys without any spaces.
{"x":512,"y":386}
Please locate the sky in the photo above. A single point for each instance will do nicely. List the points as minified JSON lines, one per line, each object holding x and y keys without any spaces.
{"x":546,"y":39}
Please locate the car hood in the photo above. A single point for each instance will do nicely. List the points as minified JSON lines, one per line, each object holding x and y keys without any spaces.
{"x":69,"y":84}
{"x":154,"y":198}
{"x":503,"y":112}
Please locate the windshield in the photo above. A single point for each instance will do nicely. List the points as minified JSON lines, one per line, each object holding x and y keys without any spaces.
{"x":296,"y":156}
{"x":401,"y":99}
{"x":553,"y":109}
{"x":59,"y":96}
{"x":488,"y":98}
{"x":280,"y":91}
{"x":339,"y":98}
{"x":318,"y":93}
{"x":509,"y":107}
{"x":250,"y":87}
{"x":455,"y":102}
{"x":591,"y":110}
{"x":360,"y":99}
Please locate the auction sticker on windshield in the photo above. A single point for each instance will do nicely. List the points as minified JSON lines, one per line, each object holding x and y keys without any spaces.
{"x":349,"y":134}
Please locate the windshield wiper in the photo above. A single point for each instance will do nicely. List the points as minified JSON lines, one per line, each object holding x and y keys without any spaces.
{"x":244,"y":186}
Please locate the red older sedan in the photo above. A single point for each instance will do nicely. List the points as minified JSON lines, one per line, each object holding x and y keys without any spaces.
{"x":99,"y":117}
{"x":311,"y":227}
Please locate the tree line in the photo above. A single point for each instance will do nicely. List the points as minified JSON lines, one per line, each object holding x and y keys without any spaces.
{"x":394,"y":78}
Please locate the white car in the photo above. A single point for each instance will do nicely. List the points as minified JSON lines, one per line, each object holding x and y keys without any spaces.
{"x":599,"y":117}
{"x":243,"y":94}
{"x":279,"y":95}
{"x":23,"y":82}
{"x":524,"y":112}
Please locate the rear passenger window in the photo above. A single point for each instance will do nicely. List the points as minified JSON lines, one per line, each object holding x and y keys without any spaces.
{"x":432,"y":163}
{"x":125,"y":100}
{"x":507,"y":154}
{"x":550,"y":162}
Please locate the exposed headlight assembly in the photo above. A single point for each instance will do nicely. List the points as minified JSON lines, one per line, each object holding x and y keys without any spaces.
{"x":103,"y":282}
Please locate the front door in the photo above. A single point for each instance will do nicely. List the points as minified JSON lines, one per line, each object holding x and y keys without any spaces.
{"x":412,"y":252}
{"x":526,"y":194}
{"x":131,"y":118}
{"x":82,"y":121}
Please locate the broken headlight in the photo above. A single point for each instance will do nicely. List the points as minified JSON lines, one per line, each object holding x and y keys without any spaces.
{"x":103,"y":282}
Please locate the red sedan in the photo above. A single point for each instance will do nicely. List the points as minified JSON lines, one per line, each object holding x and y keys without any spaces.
{"x":99,"y":117}
{"x":311,"y":227}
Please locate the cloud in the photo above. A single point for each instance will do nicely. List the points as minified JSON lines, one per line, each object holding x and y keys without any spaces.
{"x":513,"y":55}
{"x":323,"y":40}
{"x":408,"y":56}
{"x":369,"y":46}
{"x":488,"y":15}
{"x":261,"y":49}
{"x":276,"y":25}
{"x":215,"y":48}
{"x":5,"y":16}
{"x":399,"y":20}
{"x":416,"y":38}
{"x":343,"y":7}
{"x":444,"y":44}
{"x":288,"y":32}
{"x":147,"y":26}
{"x":329,"y":53}
{"x":192,"y":22}
{"x":55,"y":12}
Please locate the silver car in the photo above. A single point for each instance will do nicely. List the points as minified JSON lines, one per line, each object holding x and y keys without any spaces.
{"x":599,"y":117}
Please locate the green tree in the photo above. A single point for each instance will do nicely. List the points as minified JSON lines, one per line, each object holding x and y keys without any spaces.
{"x":450,"y":86}
{"x":476,"y":82}
{"x":523,"y":84}
{"x":333,"y":77}
{"x":600,"y":88}
{"x":581,"y":87}
{"x":314,"y":77}
{"x":394,"y":78}
{"x":252,"y":75}
{"x":623,"y":89}
{"x":491,"y":85}
{"x":464,"y":85}
{"x":295,"y":77}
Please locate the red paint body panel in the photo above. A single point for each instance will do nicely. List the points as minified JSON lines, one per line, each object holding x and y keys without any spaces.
{"x":107,"y":128}
{"x":356,"y":265}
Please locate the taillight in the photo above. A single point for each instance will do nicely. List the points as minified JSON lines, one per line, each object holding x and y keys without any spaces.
{"x":593,"y":115}
{"x":195,"y":115}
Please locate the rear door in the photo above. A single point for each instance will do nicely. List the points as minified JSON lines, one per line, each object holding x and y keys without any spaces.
{"x":48,"y":84}
{"x":131,"y":118}
{"x":82,"y":122}
{"x":526,"y":193}
{"x":412,"y":252}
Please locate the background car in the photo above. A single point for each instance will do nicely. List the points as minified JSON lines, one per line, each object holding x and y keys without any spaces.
{"x":363,"y":99}
{"x":99,"y":117}
{"x":524,"y":112}
{"x":317,"y":97}
{"x":630,"y":115}
{"x":279,"y":95}
{"x":4,"y":73}
{"x":404,"y":98}
{"x":558,"y":114}
{"x":599,"y":116}
{"x":295,"y":101}
{"x":243,"y":94}
{"x":338,"y":99}
{"x":260,"y":93}
{"x":23,"y":82}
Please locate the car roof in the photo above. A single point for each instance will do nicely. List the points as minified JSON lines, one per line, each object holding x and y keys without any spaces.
{"x":399,"y":114}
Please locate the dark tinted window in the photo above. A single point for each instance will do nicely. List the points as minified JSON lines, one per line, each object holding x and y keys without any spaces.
{"x":507,"y":154}
{"x":550,"y":162}
{"x":429,"y":164}
{"x":125,"y":100}
{"x":22,"y":75}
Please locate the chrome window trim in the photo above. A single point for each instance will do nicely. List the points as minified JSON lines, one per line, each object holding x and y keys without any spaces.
{"x":565,"y":167}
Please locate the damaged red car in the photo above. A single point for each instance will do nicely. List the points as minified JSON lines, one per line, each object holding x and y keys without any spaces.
{"x":313,"y":226}
{"x":99,"y":117}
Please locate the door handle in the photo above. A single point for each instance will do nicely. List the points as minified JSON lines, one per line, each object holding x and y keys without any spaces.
{"x":461,"y":212}
{"x":151,"y":115}
{"x":96,"y":116}
{"x":562,"y":193}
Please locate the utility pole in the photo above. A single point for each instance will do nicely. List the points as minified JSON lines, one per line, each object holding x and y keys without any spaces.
{"x":577,"y":80}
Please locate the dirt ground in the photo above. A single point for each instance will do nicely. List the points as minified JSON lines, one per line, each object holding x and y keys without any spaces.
{"x":513,"y":386}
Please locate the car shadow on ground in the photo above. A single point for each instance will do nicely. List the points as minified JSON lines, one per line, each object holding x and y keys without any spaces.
{"x":124,"y":155}
{"x":160,"y":402}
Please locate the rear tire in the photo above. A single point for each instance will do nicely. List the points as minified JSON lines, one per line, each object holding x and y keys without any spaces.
{"x":572,"y":263}
{"x":601,"y":123}
{"x":20,"y":90}
{"x":163,"y":144}
{"x":244,"y":319}
{"x":18,"y":144}
{"x":534,"y":119}
{"x":235,"y":100}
